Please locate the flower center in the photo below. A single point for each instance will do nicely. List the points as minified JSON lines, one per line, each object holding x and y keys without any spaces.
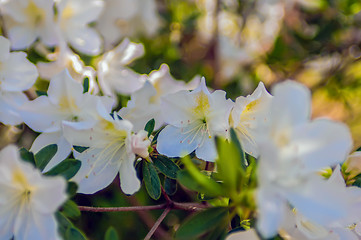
{"x":36,"y":14}
{"x":202,"y":107}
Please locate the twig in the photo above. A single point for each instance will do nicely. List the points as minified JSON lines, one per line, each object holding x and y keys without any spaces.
{"x":157,"y":223}
{"x":122,"y":209}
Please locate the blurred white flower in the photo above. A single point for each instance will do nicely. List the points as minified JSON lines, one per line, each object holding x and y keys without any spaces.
{"x":65,"y":102}
{"x":145,"y":103}
{"x":246,"y":114}
{"x":141,"y":143}
{"x":292,"y":149}
{"x":17,"y":74}
{"x":110,"y":152}
{"x":27,"y":20}
{"x":113,"y":75}
{"x":28,"y":200}
{"x":243,"y":235}
{"x":194,"y":119}
{"x":127,"y":18}
{"x":74,"y":17}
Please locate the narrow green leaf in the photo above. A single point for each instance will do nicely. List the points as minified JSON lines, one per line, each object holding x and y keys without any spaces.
{"x":80,"y":149}
{"x":73,"y":233}
{"x":71,"y":189}
{"x":229,"y":165}
{"x":86,"y":85}
{"x":170,"y":186}
{"x":151,"y":180}
{"x":111,"y":234}
{"x":202,"y":222}
{"x":166,"y":166}
{"x":236,"y":142}
{"x":149,"y":127}
{"x":67,"y":168}
{"x":205,"y":183}
{"x":63,"y":224}
{"x":43,"y":157}
{"x":70,"y":209}
{"x":27,"y":156}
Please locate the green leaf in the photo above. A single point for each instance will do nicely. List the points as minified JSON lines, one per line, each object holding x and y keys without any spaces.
{"x":197,"y":181}
{"x":67,"y":168}
{"x":73,"y":233}
{"x":80,"y":149}
{"x":202,"y":222}
{"x":86,"y":85}
{"x":151,"y":180}
{"x":27,"y":156}
{"x":41,"y":93}
{"x":166,"y":166}
{"x":71,"y":189}
{"x":63,"y":223}
{"x":111,"y":234}
{"x":170,"y":186}
{"x":43,"y":157}
{"x":229,"y":165}
{"x":236,"y":142}
{"x":149,"y":127}
{"x":70,"y":209}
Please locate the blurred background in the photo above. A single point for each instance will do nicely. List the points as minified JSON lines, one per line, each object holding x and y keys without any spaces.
{"x":234,"y":44}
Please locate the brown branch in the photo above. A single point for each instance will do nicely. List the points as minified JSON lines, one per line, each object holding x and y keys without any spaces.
{"x":157,"y":223}
{"x":122,"y":209}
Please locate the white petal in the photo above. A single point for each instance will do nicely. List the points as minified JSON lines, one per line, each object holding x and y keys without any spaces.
{"x":243,"y":235}
{"x":96,"y":171}
{"x":129,"y":181}
{"x":322,"y":143}
{"x":173,"y":143}
{"x":4,"y":48}
{"x":85,"y":40}
{"x":10,"y":103}
{"x":220,"y":109}
{"x":207,"y":151}
{"x":21,"y":37}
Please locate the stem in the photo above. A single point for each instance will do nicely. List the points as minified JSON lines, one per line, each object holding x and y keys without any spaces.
{"x":157,"y":223}
{"x":122,"y":209}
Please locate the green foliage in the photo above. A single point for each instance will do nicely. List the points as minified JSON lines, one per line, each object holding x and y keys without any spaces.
{"x":151,"y":180}
{"x":85,"y":85}
{"x":170,"y":186}
{"x":202,"y":222}
{"x":67,"y":168}
{"x":66,"y":228}
{"x":43,"y":157}
{"x":80,"y":149}
{"x":111,"y":234}
{"x":27,"y":156}
{"x":149,"y":127}
{"x":71,"y":189}
{"x":70,"y":209}
{"x":73,"y":233}
{"x":166,"y":166}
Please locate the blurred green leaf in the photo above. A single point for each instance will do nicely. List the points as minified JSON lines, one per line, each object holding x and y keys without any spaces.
{"x":151,"y":180}
{"x":236,"y":142}
{"x":80,"y":149}
{"x":63,"y":223}
{"x":149,"y":127}
{"x":111,"y":234}
{"x":43,"y":157}
{"x":166,"y":166}
{"x":27,"y":156}
{"x":170,"y":186}
{"x":197,"y":181}
{"x":73,"y":233}
{"x":70,"y":209}
{"x":85,"y":85}
{"x":71,"y":189}
{"x":202,"y":222}
{"x":67,"y":168}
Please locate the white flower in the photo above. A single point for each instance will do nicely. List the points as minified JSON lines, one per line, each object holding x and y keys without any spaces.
{"x":27,"y":20}
{"x":246,"y":114}
{"x":65,"y":58}
{"x":113,"y":75}
{"x":17,"y":74}
{"x":145,"y":103}
{"x":194,"y":119}
{"x":65,"y":102}
{"x":110,"y":152}
{"x":292,"y":150}
{"x":74,"y":17}
{"x":243,"y":235}
{"x":28,"y":200}
{"x":127,"y":18}
{"x":140,"y":143}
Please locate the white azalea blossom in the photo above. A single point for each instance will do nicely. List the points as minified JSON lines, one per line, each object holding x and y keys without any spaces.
{"x":65,"y":58}
{"x":246,"y":114}
{"x":292,"y":150}
{"x":141,"y":143}
{"x":145,"y":103}
{"x":65,"y":102}
{"x":127,"y":18}
{"x":110,"y":152}
{"x":74,"y":17}
{"x":28,"y":200}
{"x":17,"y":74}
{"x":27,"y":20}
{"x":194,"y":119}
{"x":113,"y":75}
